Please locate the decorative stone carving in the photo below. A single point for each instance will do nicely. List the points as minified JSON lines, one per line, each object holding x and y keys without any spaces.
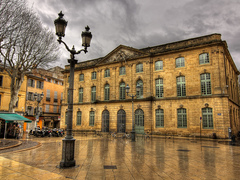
{"x":121,"y":107}
{"x":159,"y":107}
{"x":139,"y":106}
{"x":181,"y":106}
{"x":105,"y":107}
{"x":206,"y":104}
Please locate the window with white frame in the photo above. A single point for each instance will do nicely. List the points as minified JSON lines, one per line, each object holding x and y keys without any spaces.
{"x":122,"y":91}
{"x":106,"y":92}
{"x":122,"y":70}
{"x":180,"y":62}
{"x":181,"y":87}
{"x":182,"y":118}
{"x":139,"y":68}
{"x":107,"y":73}
{"x":159,"y":118}
{"x":204,"y":58}
{"x":158,"y":65}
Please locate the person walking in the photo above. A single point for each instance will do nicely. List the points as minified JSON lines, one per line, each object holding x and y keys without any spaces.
{"x":17,"y":132}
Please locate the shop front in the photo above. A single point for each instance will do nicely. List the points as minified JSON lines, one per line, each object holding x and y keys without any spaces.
{"x":9,"y":122}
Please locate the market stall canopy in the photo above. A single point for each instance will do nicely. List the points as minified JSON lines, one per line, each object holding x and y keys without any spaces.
{"x":12,"y":117}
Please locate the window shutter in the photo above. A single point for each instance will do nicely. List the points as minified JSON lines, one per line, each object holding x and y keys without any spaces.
{"x":33,"y":83}
{"x":29,"y":82}
{"x":42,"y":85}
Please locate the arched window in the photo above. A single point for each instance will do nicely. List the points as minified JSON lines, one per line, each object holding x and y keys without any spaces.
{"x":106,"y":92}
{"x":93,"y":94}
{"x":182,"y":118}
{"x":159,"y":87}
{"x":181,"y":86}
{"x":140,"y":93}
{"x":205,"y":84}
{"x":79,"y":118}
{"x":105,"y":121}
{"x":121,"y":121}
{"x":207,"y":118}
{"x":122,"y":91}
{"x":204,"y":58}
{"x":139,"y":117}
{"x":180,"y":62}
{"x":159,"y":118}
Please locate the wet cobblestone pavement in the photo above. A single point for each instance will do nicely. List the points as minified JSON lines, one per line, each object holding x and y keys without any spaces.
{"x":109,"y":158}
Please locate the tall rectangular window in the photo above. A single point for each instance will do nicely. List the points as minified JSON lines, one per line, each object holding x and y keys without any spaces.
{"x":122,"y":70}
{"x":181,"y":87}
{"x":106,"y":92}
{"x":139,"y":68}
{"x":31,"y":83}
{"x":40,"y":84}
{"x":48,"y":95}
{"x":80,"y":95}
{"x":107,"y":73}
{"x":79,"y":118}
{"x":180,"y":62}
{"x":206,"y":84}
{"x":122,"y":91}
{"x":182,"y":118}
{"x":158,"y":65}
{"x":159,"y":118}
{"x":55,"y":96}
{"x":94,"y":75}
{"x":81,"y":77}
{"x":159,"y":87}
{"x":93,"y":94}
{"x":207,"y":118}
{"x":91,"y":118}
{"x":30,"y":96}
{"x":55,"y":109}
{"x":204,"y":58}
{"x":47,"y":108}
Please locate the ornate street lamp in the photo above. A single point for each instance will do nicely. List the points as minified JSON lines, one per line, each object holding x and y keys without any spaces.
{"x":138,"y":87}
{"x":69,"y":141}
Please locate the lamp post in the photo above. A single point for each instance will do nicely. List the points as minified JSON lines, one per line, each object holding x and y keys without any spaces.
{"x":132,"y":96}
{"x":38,"y":98}
{"x":69,"y":141}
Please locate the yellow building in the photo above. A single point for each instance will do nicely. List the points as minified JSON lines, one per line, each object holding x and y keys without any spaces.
{"x":188,"y":88}
{"x":50,"y":83}
{"x":5,"y":95}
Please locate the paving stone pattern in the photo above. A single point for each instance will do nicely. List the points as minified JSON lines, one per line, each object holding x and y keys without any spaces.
{"x":109,"y":158}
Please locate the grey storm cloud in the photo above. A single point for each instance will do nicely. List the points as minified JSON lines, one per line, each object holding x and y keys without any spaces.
{"x":141,"y":23}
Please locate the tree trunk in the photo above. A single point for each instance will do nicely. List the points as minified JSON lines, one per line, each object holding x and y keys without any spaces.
{"x":16,"y":82}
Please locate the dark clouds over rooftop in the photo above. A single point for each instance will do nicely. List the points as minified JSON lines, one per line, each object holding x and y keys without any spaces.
{"x":141,"y":23}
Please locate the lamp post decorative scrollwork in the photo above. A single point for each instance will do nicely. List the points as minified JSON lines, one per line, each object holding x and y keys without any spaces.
{"x":69,"y":142}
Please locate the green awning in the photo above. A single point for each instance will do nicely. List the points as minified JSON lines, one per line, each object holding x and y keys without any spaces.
{"x":12,"y":117}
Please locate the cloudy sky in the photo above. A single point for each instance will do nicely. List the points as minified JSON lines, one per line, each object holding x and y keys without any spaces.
{"x":141,"y":23}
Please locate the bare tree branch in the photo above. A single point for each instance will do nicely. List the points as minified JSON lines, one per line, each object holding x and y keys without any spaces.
{"x":24,"y":43}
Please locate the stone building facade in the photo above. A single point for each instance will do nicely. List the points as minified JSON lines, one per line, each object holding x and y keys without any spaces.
{"x":188,"y":87}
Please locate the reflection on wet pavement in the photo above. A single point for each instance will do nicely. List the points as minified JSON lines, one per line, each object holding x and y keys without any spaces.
{"x":109,"y":158}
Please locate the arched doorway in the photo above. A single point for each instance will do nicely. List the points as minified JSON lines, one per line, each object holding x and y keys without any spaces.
{"x":105,"y":121}
{"x":139,"y":121}
{"x":121,"y":121}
